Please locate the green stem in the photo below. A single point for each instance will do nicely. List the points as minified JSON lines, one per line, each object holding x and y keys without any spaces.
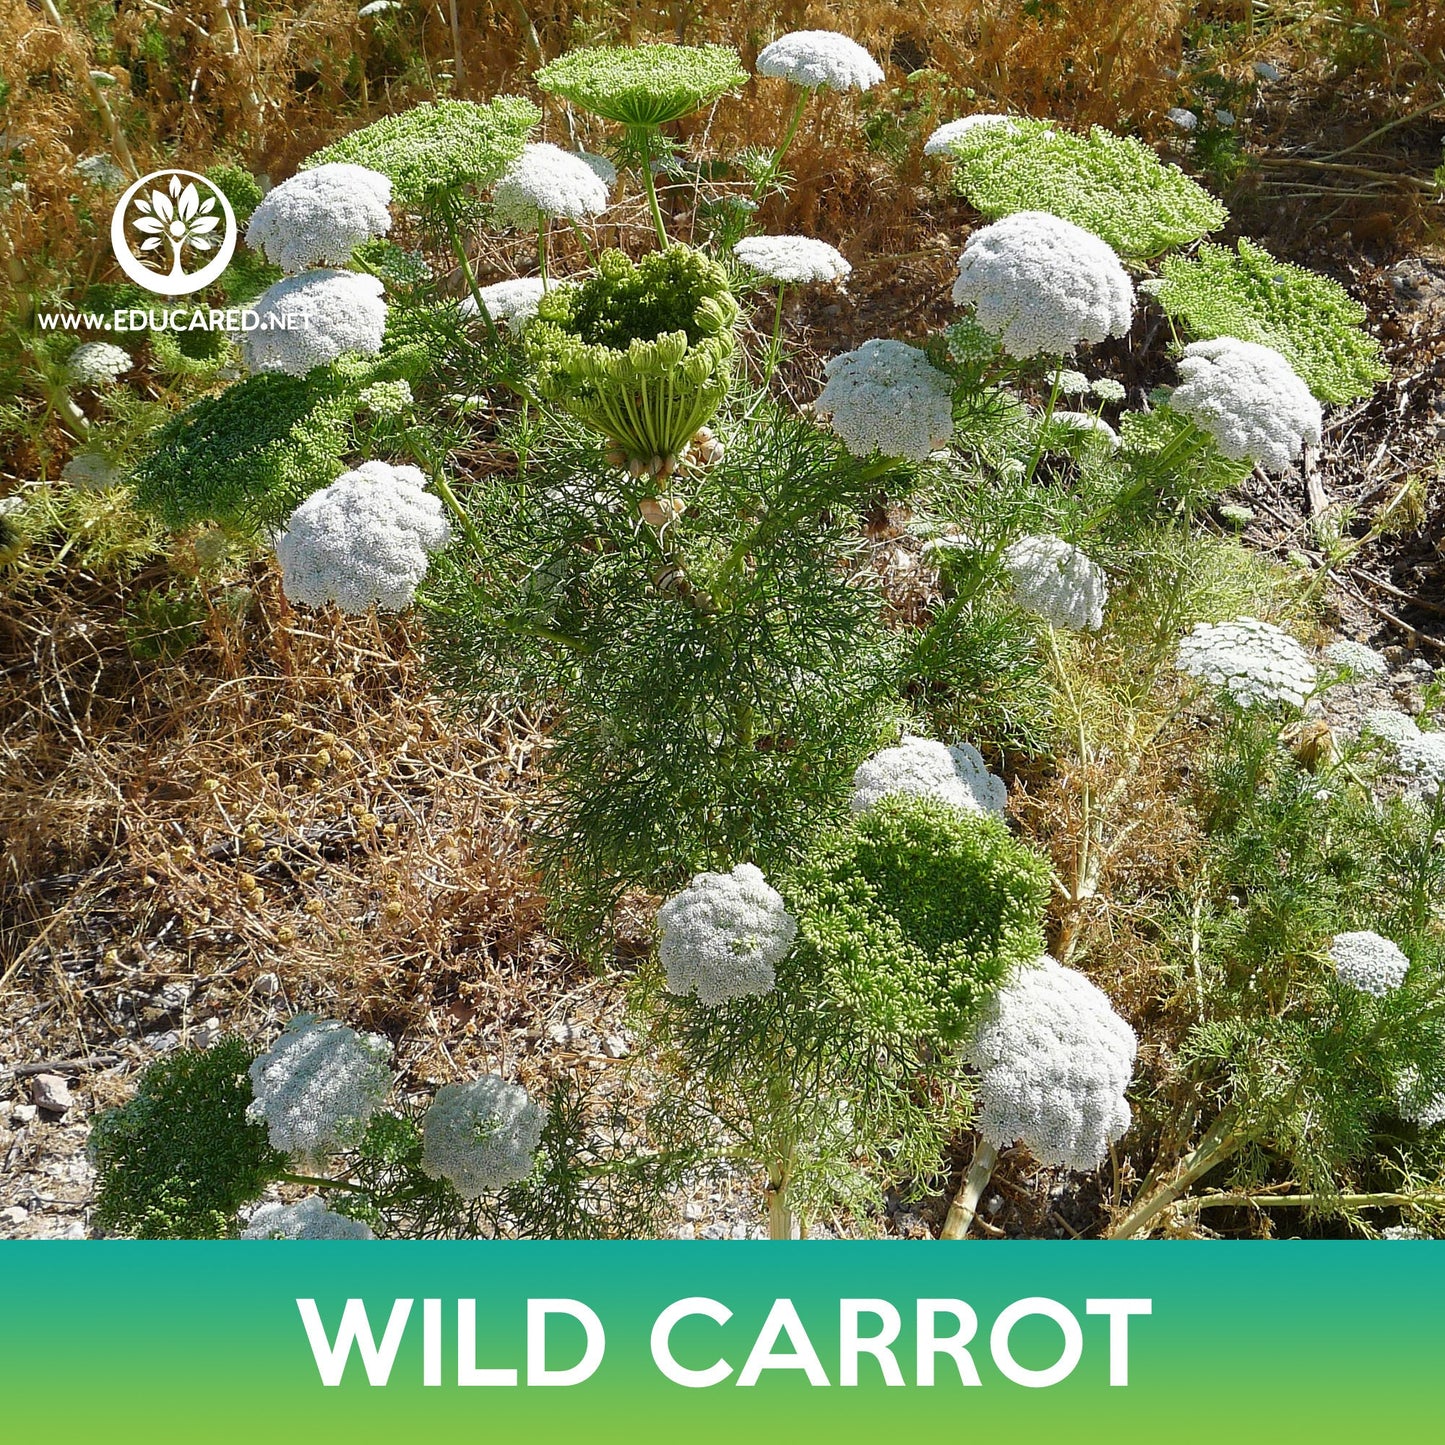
{"x":1426,"y":1198}
{"x":1044,"y":421}
{"x":1219,"y":1143}
{"x":542,"y":248}
{"x":322,"y":1183}
{"x":459,"y":249}
{"x":775,"y":346}
{"x":775,"y":166}
{"x":965,"y":1203}
{"x":585,"y":244}
{"x":644,"y":136}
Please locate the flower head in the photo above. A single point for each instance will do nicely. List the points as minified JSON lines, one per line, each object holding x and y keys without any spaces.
{"x":433,"y":150}
{"x":309,"y":320}
{"x":1058,"y":582}
{"x":792,"y":260}
{"x":1054,"y":1062}
{"x":1248,"y":398}
{"x":1108,"y":390}
{"x":922,"y":767}
{"x":814,"y":58}
{"x":1419,"y":755}
{"x":1254,"y":662}
{"x":480,"y":1135}
{"x":887,"y":397}
{"x":644,"y":85}
{"x":319,"y":217}
{"x":98,"y":363}
{"x":1355,"y":657}
{"x":308,"y":1218}
{"x":362,"y":541}
{"x":1369,"y":963}
{"x":547,"y":181}
{"x":1417,"y":1104}
{"x":723,"y":935}
{"x":939,"y":142}
{"x":318,"y":1085}
{"x":387,"y":398}
{"x":1086,"y":424}
{"x":514,"y":302}
{"x":1043,"y":285}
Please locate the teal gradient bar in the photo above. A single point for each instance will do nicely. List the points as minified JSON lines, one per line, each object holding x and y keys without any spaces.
{"x":1277,"y":1342}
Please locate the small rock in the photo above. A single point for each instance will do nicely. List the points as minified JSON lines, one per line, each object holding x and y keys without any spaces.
{"x":51,"y":1093}
{"x":615,"y":1046}
{"x":995,"y":1203}
{"x":685,"y":1231}
{"x":716,"y":1230}
{"x":268,"y":985}
{"x":692,"y":1210}
{"x":24,"y":1113}
{"x":16,"y":1214}
{"x":740,"y":1231}
{"x":204,"y":1035}
{"x":173,"y":996}
{"x":162,"y":1043}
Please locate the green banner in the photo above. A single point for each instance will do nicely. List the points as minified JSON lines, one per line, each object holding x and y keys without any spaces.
{"x":719,"y":1342}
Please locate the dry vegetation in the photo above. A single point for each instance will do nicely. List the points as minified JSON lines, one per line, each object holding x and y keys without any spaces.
{"x":281,"y":817}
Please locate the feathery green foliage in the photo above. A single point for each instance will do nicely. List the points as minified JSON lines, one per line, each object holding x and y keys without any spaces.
{"x":640,"y":352}
{"x":239,"y":187}
{"x":646,"y":85}
{"x":1309,"y":319}
{"x":181,"y":1157}
{"x":1111,"y":185}
{"x":247,"y":456}
{"x":915,"y":911}
{"x":433,"y":151}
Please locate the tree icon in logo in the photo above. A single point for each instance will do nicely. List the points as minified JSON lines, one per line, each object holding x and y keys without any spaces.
{"x":179,"y":217}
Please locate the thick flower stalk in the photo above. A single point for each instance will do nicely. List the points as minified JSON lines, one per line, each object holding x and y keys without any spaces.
{"x":1043,"y":285}
{"x":817,"y":58}
{"x":318,"y":1085}
{"x":547,"y":183}
{"x":642,"y":353}
{"x":887,"y":397}
{"x":1254,"y":662}
{"x":1248,"y":398}
{"x":1054,"y":1061}
{"x":724,"y":934}
{"x":1369,"y":963}
{"x":312,"y":319}
{"x":1057,"y":582}
{"x":308,"y":1218}
{"x":319,"y":217}
{"x":363,"y":541}
{"x":922,"y":767}
{"x":480,"y":1135}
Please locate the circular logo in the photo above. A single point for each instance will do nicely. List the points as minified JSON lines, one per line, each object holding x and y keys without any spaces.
{"x":168,"y":222}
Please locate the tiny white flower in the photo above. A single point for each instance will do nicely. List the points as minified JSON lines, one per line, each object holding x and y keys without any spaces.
{"x":793,"y":260}
{"x":514,"y":301}
{"x":1369,"y":963}
{"x":312,"y":319}
{"x":1254,"y":662}
{"x":1057,"y":582}
{"x":814,"y":58}
{"x":1357,"y":658}
{"x":308,"y":1218}
{"x":1108,"y":390}
{"x":98,"y":363}
{"x":955,"y":774}
{"x":319,"y":217}
{"x":1086,"y":421}
{"x":481,"y":1135}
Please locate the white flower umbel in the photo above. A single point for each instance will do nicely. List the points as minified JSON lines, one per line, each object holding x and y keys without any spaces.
{"x":514,"y":302}
{"x":925,"y":768}
{"x":1417,"y":1105}
{"x":939,"y":142}
{"x":723,"y":935}
{"x":813,"y":58}
{"x":318,"y":1085}
{"x":98,"y":363}
{"x":1419,"y":755}
{"x":363,"y":541}
{"x":1054,"y":1062}
{"x":1356,"y":658}
{"x":1043,"y":285}
{"x":1056,"y":581}
{"x":1088,"y":423}
{"x":546,"y":181}
{"x":1369,"y":963}
{"x":1254,"y":662}
{"x":1248,"y":398}
{"x":1108,"y":390}
{"x":387,"y":398}
{"x":308,"y":1218}
{"x":887,"y":397}
{"x":309,"y":320}
{"x":792,"y":260}
{"x":319,"y":217}
{"x":481,"y":1135}
{"x":602,"y":168}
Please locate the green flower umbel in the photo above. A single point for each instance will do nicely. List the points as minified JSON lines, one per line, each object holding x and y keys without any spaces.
{"x":641,"y":352}
{"x":644,"y":86}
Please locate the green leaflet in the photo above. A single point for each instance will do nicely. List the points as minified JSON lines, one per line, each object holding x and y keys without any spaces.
{"x":646,"y":85}
{"x":1308,"y":318}
{"x":434,"y":150}
{"x":1111,"y":185}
